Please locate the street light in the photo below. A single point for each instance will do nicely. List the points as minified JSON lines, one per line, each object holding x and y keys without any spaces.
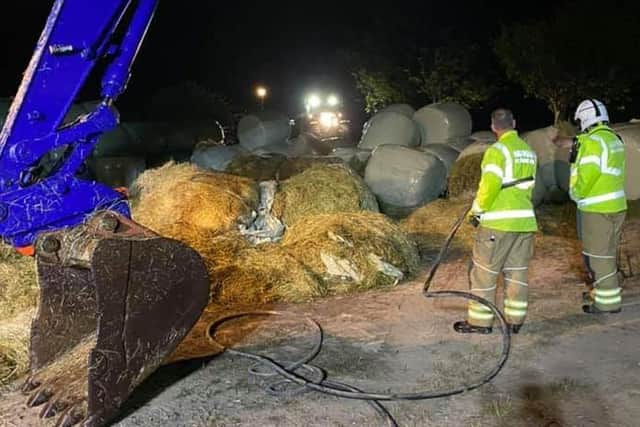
{"x":261,"y":92}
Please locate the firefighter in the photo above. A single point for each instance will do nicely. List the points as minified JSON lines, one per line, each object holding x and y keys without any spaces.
{"x":503,"y":212}
{"x":597,"y":186}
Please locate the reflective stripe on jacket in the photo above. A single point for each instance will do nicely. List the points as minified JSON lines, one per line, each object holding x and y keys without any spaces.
{"x":507,"y":209}
{"x":597,"y":175}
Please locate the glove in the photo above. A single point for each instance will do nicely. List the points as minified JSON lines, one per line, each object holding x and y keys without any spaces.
{"x":473,"y":218}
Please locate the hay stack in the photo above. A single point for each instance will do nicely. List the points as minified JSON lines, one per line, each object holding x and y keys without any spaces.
{"x":322,"y":189}
{"x":18,"y":299}
{"x":352,"y":251}
{"x":429,"y":225}
{"x":465,"y":175}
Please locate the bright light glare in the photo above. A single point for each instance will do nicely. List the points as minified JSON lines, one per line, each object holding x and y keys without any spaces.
{"x":314,"y":101}
{"x":332,"y":100}
{"x":261,"y":92}
{"x":328,"y":120}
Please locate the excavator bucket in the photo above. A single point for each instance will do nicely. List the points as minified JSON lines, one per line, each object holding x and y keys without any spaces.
{"x":115,"y":301}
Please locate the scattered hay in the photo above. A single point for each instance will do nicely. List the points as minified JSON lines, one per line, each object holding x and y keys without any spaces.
{"x":14,"y":346}
{"x":430,"y":225}
{"x":177,"y":196}
{"x":352,"y":251}
{"x":322,"y":190}
{"x":465,"y":175}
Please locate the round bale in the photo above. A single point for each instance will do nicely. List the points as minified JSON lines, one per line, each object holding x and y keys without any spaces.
{"x":390,"y":127}
{"x":444,"y":122}
{"x":403,"y":178}
{"x":404,"y":109}
{"x":445,"y":153}
{"x":263,"y":128}
{"x":630,"y":133}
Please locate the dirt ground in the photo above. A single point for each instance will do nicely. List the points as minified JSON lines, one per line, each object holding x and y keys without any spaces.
{"x":564,"y":369}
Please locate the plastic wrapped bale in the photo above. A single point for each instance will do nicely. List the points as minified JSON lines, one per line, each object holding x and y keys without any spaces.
{"x":542,"y":142}
{"x":445,"y":153}
{"x":204,"y":202}
{"x":322,"y":189}
{"x":260,"y":168}
{"x":390,"y":127}
{"x":486,"y":136}
{"x":352,"y":251}
{"x":404,"y":178}
{"x":444,"y":123}
{"x":215,"y":156}
{"x":114,"y":143}
{"x":263,"y":128}
{"x":630,"y":133}
{"x":475,"y":148}
{"x":18,"y":299}
{"x":404,"y":109}
{"x":117,"y":171}
{"x":356,"y":158}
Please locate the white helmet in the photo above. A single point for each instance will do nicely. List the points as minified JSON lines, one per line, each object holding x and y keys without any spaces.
{"x":590,"y":112}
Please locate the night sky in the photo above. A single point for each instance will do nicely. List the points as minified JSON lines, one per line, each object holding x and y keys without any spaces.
{"x":291,"y":48}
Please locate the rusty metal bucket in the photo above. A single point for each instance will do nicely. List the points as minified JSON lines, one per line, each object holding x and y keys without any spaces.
{"x":115,"y":302}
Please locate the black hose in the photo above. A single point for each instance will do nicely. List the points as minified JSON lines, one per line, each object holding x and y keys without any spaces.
{"x":333,"y":388}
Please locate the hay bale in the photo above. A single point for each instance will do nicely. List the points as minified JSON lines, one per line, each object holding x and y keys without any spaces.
{"x":630,"y":133}
{"x":259,"y":168}
{"x":445,"y":153}
{"x":429,"y":226}
{"x":485,"y":136}
{"x":322,"y":189}
{"x":443,"y":123}
{"x":403,"y":178}
{"x":182,"y":194}
{"x":404,"y":109}
{"x":352,"y":251}
{"x":355,"y":158}
{"x":18,"y":299}
{"x":15,"y":333}
{"x":465,"y":175}
{"x":390,"y":127}
{"x":261,"y":129}
{"x":215,"y":156}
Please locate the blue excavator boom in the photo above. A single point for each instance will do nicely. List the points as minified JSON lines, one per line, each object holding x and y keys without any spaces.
{"x":115,"y":298}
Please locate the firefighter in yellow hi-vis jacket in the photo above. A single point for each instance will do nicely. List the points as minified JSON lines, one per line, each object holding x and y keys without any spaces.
{"x":503,"y":209}
{"x":597,"y":187}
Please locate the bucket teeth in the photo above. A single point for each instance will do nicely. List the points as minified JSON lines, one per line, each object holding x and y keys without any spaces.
{"x":69,"y":418}
{"x":30,"y":385}
{"x":40,"y":397}
{"x":52,"y":408}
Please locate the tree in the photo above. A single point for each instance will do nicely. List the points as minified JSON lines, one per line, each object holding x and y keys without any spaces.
{"x":452,"y":73}
{"x":378,"y":89}
{"x":579,"y":52}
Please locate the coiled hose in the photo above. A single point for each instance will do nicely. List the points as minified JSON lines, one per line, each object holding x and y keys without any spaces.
{"x":287,"y":371}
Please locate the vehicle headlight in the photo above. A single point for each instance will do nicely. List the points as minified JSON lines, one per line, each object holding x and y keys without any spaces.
{"x":328,"y":119}
{"x":333,"y":100}
{"x":314,"y":101}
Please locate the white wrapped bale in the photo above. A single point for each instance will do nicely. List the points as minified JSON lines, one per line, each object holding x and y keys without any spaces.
{"x":553,"y":170}
{"x":404,"y":109}
{"x":484,"y":136}
{"x":476,"y":147}
{"x":444,"y":123}
{"x":260,"y":129}
{"x":356,"y":158}
{"x":403,"y":178}
{"x":215,"y":157}
{"x":390,"y":128}
{"x":445,"y":153}
{"x":630,"y":133}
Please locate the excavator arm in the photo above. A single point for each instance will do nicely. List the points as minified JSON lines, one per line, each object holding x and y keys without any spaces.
{"x":115,"y":298}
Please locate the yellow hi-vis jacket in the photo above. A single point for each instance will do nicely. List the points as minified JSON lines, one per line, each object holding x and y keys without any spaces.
{"x":597,"y":175}
{"x":507,"y":209}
